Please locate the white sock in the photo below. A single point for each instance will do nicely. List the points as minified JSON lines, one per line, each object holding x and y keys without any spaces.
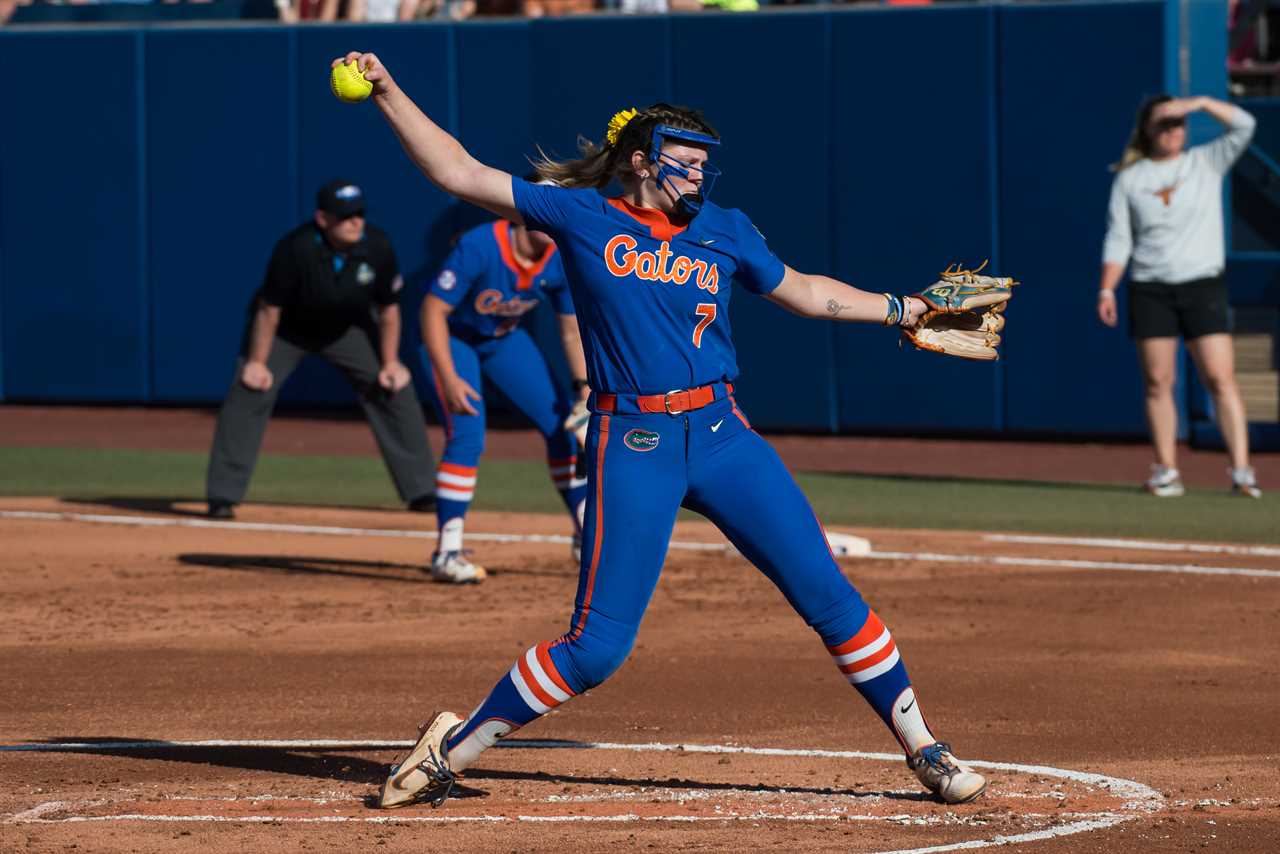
{"x":910,"y":723}
{"x":481,"y":739}
{"x":580,"y":514}
{"x":451,"y":535}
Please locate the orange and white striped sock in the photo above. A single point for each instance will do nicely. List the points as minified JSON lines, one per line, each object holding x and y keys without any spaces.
{"x":872,"y":664}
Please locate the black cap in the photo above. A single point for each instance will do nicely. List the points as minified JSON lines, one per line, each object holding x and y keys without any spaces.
{"x":341,"y":198}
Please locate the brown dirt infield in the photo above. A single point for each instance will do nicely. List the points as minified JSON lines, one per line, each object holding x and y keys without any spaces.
{"x":126,"y":633}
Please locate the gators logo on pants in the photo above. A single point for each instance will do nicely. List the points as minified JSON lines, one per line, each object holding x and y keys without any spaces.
{"x":641,"y":440}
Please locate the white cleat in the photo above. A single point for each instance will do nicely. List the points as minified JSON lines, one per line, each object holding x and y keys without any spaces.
{"x":1244,"y":482}
{"x":454,"y":568}
{"x":941,"y":773}
{"x":423,"y":775}
{"x":1164,"y":482}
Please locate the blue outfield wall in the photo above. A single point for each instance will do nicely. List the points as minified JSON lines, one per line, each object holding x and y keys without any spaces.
{"x":137,"y":216}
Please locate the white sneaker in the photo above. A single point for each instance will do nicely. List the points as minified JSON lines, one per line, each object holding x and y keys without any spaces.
{"x":423,"y":775}
{"x":454,"y":568}
{"x":1243,"y":482}
{"x":1164,"y":482}
{"x":941,"y":773}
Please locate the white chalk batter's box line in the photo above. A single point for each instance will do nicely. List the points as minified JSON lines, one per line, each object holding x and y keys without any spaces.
{"x":925,"y":557}
{"x":1139,"y":798}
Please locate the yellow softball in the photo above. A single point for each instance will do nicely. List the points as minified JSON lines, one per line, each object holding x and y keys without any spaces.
{"x":348,"y":83}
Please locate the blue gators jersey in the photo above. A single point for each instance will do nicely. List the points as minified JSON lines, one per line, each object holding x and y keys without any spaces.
{"x":489,"y":290}
{"x":652,"y":297}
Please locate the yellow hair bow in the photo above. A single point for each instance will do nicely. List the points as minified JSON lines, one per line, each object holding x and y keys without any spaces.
{"x":616,"y":124}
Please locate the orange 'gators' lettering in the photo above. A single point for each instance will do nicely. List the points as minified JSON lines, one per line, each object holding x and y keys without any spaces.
{"x":622,"y":260}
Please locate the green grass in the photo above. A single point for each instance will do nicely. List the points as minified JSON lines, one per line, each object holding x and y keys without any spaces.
{"x":278,"y":479}
{"x":1047,"y":508}
{"x":903,"y":502}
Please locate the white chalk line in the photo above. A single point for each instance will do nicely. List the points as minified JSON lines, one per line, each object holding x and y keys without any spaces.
{"x":1134,"y":545}
{"x":1140,"y":798}
{"x":924,"y":557}
{"x":1068,"y":563}
{"x":321,"y":530}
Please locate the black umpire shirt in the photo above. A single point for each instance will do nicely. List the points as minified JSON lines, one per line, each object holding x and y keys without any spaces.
{"x":322,"y":293}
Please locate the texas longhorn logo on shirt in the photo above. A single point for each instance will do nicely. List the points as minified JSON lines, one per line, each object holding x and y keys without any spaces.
{"x":1166,"y":193}
{"x":622,"y":260}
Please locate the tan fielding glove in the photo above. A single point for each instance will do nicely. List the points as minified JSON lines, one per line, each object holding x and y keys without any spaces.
{"x":965,"y":316}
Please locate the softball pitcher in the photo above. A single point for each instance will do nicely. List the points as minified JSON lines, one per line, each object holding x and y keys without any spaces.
{"x":651,"y":273}
{"x":497,"y":273}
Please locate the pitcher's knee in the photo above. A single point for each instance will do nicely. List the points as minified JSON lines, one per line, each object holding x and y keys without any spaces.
{"x":592,"y":660}
{"x":841,"y":619}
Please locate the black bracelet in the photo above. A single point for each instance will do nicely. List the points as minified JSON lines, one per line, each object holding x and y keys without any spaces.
{"x":579,"y":385}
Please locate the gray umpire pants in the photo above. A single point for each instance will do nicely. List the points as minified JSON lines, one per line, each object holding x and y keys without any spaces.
{"x":396,"y":419}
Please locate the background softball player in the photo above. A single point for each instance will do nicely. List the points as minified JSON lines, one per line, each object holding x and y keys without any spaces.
{"x":650,"y":273}
{"x":497,"y":273}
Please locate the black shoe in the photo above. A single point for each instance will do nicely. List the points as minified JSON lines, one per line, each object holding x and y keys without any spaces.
{"x":221,"y":510}
{"x":423,"y":504}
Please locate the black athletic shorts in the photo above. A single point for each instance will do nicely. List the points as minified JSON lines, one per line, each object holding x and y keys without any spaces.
{"x":1187,"y":309}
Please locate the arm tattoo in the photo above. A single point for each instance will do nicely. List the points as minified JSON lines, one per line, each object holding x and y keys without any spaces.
{"x":835,"y":308}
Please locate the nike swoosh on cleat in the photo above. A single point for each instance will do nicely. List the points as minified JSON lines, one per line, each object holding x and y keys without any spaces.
{"x":716,"y":426}
{"x":908,"y":706}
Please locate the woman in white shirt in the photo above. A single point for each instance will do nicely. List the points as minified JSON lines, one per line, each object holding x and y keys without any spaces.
{"x":1165,"y":222}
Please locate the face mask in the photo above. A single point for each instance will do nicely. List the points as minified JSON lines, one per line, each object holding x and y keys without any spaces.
{"x":687,"y":204}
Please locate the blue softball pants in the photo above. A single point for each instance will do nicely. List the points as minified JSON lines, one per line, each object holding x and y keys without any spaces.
{"x":516,"y":367}
{"x":642,"y":468}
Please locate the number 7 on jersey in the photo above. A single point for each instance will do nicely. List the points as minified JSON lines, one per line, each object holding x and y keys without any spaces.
{"x":707,"y":311}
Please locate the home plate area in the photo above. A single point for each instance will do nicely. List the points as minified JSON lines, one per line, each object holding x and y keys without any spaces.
{"x":577,"y":782}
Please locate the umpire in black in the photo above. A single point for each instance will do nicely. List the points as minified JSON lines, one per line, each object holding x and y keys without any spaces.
{"x":326,"y":281}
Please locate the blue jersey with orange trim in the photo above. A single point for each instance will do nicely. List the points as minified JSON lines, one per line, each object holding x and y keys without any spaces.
{"x":652,"y":297}
{"x":490,"y":290}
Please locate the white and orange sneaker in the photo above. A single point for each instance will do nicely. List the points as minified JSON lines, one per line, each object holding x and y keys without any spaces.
{"x":1244,"y":482}
{"x":454,"y":568}
{"x":941,"y":773}
{"x":1164,"y":482}
{"x":423,"y":775}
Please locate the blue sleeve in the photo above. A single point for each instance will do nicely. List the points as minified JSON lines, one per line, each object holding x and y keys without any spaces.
{"x":460,"y":269}
{"x":543,"y":207}
{"x":558,"y":290}
{"x":759,"y":269}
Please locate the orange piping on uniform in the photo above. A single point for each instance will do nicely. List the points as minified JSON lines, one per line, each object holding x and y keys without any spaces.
{"x":595,"y":549}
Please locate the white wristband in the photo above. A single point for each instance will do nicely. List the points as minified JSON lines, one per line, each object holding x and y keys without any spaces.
{"x":1105,"y":292}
